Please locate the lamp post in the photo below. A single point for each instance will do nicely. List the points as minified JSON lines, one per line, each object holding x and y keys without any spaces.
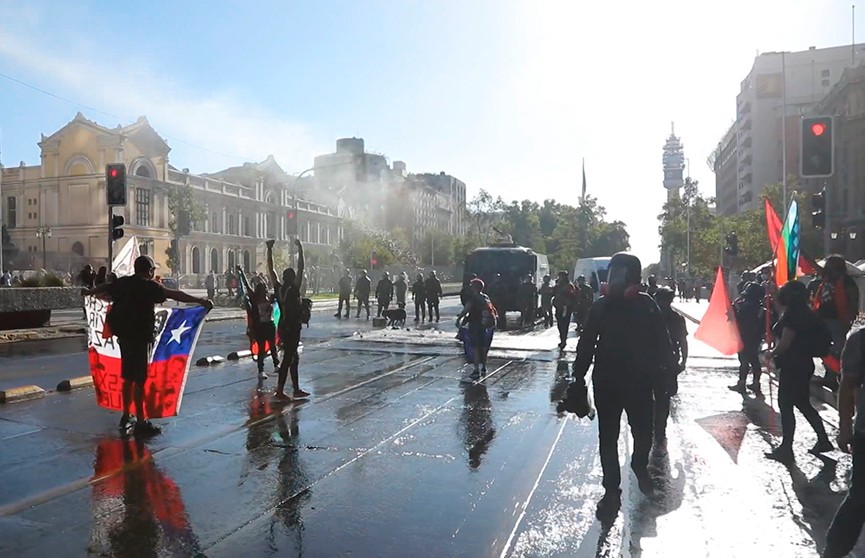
{"x":43,"y":233}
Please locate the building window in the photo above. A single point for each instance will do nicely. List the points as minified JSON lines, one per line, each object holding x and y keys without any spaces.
{"x":11,"y":212}
{"x":232,"y":224}
{"x":143,"y":172}
{"x":214,"y":222}
{"x":78,"y":248}
{"x":142,"y":207}
{"x":824,"y":73}
{"x":247,"y":226}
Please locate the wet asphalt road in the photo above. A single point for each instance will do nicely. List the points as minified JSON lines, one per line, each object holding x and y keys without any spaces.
{"x":398,"y":454}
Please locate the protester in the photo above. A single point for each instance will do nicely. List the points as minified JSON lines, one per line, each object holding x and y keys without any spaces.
{"x":290,"y":321}
{"x":796,"y":330}
{"x":433,"y":291}
{"x":86,"y":277}
{"x":344,"y":287}
{"x":400,"y":287}
{"x":847,"y":525}
{"x":260,"y":327}
{"x":546,"y":292}
{"x":384,"y":293}
{"x":564,"y":302}
{"x":132,"y":320}
{"x":479,"y":314}
{"x":652,"y":286}
{"x":418,"y":294}
{"x":627,"y":340}
{"x":528,"y":300}
{"x":751,"y":320}
{"x":101,"y":276}
{"x":362,"y":288}
{"x":667,"y":385}
{"x":585,"y":298}
{"x":210,"y":284}
{"x":836,"y":302}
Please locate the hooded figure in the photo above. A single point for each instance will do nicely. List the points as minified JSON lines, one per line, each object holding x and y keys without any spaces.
{"x":627,"y":340}
{"x":751,"y":319}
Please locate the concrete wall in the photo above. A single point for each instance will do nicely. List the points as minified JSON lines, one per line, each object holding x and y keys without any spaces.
{"x":17,"y":299}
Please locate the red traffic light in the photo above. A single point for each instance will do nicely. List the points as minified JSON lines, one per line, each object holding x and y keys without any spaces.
{"x":818,"y":128}
{"x":113,"y":173}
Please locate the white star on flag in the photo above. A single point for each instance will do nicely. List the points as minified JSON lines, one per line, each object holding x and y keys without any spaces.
{"x":176,"y":333}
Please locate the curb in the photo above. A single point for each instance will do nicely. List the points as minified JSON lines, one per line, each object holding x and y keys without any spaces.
{"x":21,"y":393}
{"x":237,"y":355}
{"x":209,"y":361}
{"x":75,"y":383}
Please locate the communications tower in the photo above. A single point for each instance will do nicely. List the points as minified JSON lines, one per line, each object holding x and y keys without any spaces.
{"x":674,"y":164}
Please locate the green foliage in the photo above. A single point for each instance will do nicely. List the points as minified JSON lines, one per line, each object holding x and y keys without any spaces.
{"x":360,"y":242}
{"x":43,"y":280}
{"x":440,"y":244}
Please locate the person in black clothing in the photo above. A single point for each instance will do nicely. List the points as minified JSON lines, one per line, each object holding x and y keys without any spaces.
{"x":433,"y":290}
{"x":565,"y":299}
{"x":668,"y":386}
{"x":652,"y":286}
{"x":466,"y":291}
{"x":362,"y":288}
{"x":290,"y":315}
{"x":626,"y":338}
{"x":795,"y":366}
{"x":585,"y":297}
{"x":261,"y":329}
{"x":528,"y":297}
{"x":418,"y":293}
{"x":133,"y":320}
{"x":86,"y":277}
{"x":100,"y":276}
{"x":546,"y":291}
{"x":345,"y":283}
{"x":400,"y":287}
{"x":384,"y":292}
{"x":750,"y":318}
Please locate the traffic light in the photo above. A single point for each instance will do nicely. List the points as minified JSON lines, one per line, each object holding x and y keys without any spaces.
{"x":291,"y":222}
{"x":373,"y":261}
{"x":732,"y":244}
{"x":116,"y":222}
{"x":115,"y":184}
{"x":818,"y":206}
{"x":817,"y":146}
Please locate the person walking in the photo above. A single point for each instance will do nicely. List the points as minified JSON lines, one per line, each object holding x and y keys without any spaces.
{"x":132,"y":320}
{"x":546,"y":292}
{"x":667,"y":385}
{"x":751,"y":319}
{"x":260,"y":327}
{"x":626,"y":339}
{"x":836,"y":302}
{"x":585,"y":297}
{"x":847,"y":524}
{"x":362,"y":288}
{"x":564,"y":302}
{"x":418,"y":294}
{"x":433,"y":290}
{"x":344,"y":286}
{"x":383,"y":293}
{"x":290,"y":321}
{"x":478,"y":315}
{"x":796,"y":331}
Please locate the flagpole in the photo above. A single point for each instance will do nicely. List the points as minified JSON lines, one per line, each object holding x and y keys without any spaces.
{"x":784,"y":126}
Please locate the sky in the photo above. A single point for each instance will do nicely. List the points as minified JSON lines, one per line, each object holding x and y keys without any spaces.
{"x":507,"y":95}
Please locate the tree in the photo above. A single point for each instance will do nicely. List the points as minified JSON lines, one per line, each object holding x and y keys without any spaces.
{"x":484,"y":212}
{"x":437,"y":247}
{"x":185,"y":213}
{"x":10,"y":250}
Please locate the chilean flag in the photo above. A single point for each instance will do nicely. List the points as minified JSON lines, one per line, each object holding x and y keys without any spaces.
{"x":176,"y":332}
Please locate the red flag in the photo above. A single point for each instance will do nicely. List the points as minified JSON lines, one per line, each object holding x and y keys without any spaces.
{"x":773,"y":227}
{"x":718,"y":327}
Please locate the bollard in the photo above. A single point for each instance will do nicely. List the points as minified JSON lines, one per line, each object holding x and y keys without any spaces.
{"x":237,"y":355}
{"x":75,"y":383}
{"x":209,"y":361}
{"x":21,"y":393}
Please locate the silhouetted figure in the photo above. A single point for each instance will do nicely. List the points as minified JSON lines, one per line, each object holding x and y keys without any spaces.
{"x":384,"y":293}
{"x":667,"y":385}
{"x":433,"y":290}
{"x":565,"y":304}
{"x":418,"y":294}
{"x":751,"y":319}
{"x":362,"y":289}
{"x":546,"y":291}
{"x":344,"y":286}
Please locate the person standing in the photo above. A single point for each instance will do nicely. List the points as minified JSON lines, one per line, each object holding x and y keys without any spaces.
{"x":528,"y":298}
{"x":836,"y":302}
{"x":796,"y":327}
{"x":344,"y":286}
{"x":290,"y":321}
{"x":86,"y":277}
{"x":751,"y":319}
{"x":546,"y":292}
{"x":480,"y":320}
{"x":384,"y":293}
{"x":667,"y":385}
{"x":418,"y":293}
{"x":564,"y":302}
{"x":652,"y":286}
{"x":132,"y":320}
{"x":259,"y":318}
{"x":627,"y":340}
{"x":5,"y":279}
{"x":362,"y":289}
{"x":847,"y":524}
{"x":210,"y":284}
{"x":433,"y":290}
{"x":101,"y":276}
{"x":400,"y":287}
{"x":585,"y":298}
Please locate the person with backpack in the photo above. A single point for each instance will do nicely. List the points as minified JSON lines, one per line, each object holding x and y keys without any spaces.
{"x":801,"y":336}
{"x":480,"y":316}
{"x":132,"y":319}
{"x":344,"y":287}
{"x":291,"y":318}
{"x":433,"y":291}
{"x":418,"y":294}
{"x":836,"y":302}
{"x":751,"y":320}
{"x":847,"y":524}
{"x":667,"y":385}
{"x":362,"y":288}
{"x":259,"y":319}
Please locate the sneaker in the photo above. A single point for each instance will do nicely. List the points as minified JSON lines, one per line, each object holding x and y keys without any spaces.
{"x":300,"y":394}
{"x":336,"y":315}
{"x":262,"y":375}
{"x":126,"y":426}
{"x":608,"y":506}
{"x":738,"y":388}
{"x":822,"y":446}
{"x":147,"y":428}
{"x":781,"y":453}
{"x":281,"y":396}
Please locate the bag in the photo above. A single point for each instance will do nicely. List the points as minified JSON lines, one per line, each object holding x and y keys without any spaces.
{"x":305,"y":311}
{"x":577,"y":401}
{"x":818,"y":340}
{"x":489,"y":314}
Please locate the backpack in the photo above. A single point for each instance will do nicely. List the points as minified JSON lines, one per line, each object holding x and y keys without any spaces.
{"x":305,"y":311}
{"x":489,"y":314}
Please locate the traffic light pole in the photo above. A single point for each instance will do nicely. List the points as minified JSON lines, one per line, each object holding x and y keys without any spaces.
{"x":827,"y":229}
{"x":110,"y":237}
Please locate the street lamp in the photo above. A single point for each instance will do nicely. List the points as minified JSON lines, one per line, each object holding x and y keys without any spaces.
{"x":43,"y":233}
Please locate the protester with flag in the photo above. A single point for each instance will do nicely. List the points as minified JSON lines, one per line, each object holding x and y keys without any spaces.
{"x":132,"y":320}
{"x":836,"y":302}
{"x":259,"y":322}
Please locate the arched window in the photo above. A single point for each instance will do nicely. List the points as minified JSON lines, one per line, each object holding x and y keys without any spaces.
{"x":196,"y":260}
{"x":143,"y":171}
{"x":247,"y":261}
{"x":214,"y":260}
{"x":78,"y":248}
{"x":231,"y":263}
{"x":78,"y":165}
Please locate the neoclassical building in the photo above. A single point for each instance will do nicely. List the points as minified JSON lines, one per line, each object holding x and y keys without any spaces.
{"x":60,"y":204}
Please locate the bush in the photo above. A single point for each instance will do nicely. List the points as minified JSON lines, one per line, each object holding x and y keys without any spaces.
{"x":49,"y":280}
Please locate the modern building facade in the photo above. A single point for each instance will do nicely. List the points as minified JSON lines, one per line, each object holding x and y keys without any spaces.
{"x":65,"y":195}
{"x":778,"y":81}
{"x":725,"y":163}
